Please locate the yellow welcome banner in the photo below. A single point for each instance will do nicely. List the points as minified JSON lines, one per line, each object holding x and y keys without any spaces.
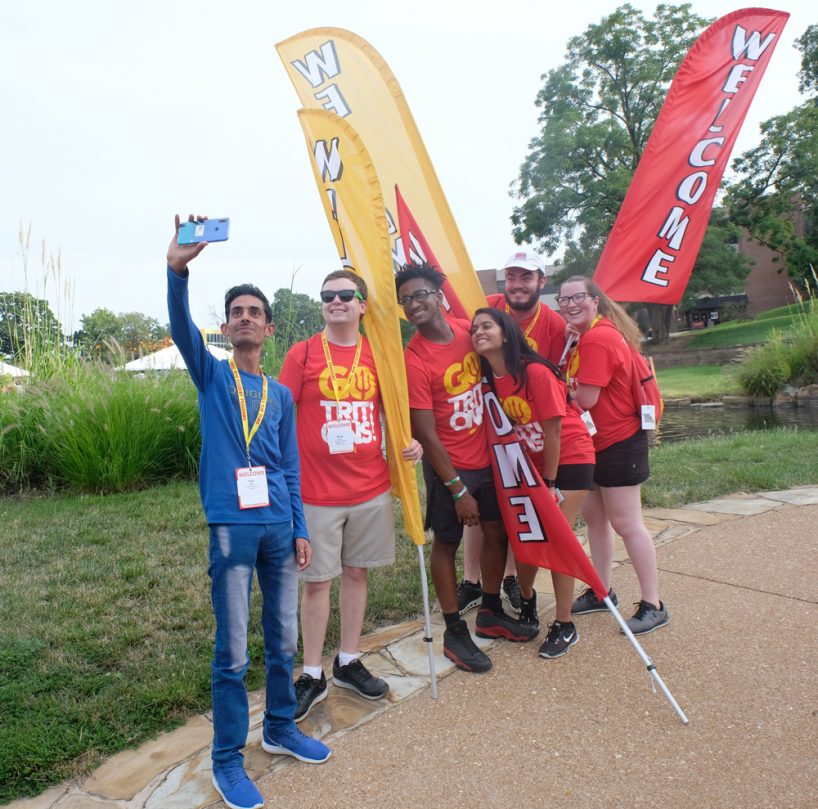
{"x":336,"y":70}
{"x":351,"y":194}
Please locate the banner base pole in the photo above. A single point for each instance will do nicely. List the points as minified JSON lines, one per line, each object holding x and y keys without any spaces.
{"x":427,"y":621}
{"x":645,"y":659}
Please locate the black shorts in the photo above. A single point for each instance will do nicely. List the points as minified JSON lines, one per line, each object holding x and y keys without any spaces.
{"x":441,"y":516}
{"x":624,"y":463}
{"x":573,"y":477}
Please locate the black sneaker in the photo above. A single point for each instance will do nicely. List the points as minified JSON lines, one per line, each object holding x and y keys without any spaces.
{"x":492,"y":624}
{"x":560,"y":638}
{"x":356,"y":677}
{"x":528,"y":612}
{"x":588,"y":602}
{"x":647,"y":618}
{"x":459,"y":647}
{"x":308,"y":691}
{"x":511,"y":589}
{"x":469,"y":595}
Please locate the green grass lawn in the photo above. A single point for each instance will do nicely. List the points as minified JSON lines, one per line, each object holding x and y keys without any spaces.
{"x":700,"y":469}
{"x":106,"y":626}
{"x":105,"y":621}
{"x":743,"y":333}
{"x":699,"y":382}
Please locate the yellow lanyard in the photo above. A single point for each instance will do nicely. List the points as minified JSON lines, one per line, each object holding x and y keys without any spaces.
{"x":245,"y":422}
{"x":336,"y":387}
{"x":531,"y":325}
{"x":569,"y":365}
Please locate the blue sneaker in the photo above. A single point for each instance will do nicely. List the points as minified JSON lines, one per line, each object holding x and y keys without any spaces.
{"x":292,"y":742}
{"x":236,"y":788}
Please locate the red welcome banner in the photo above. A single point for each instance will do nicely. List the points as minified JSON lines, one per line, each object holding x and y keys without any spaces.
{"x":654,"y":242}
{"x":416,"y":248}
{"x":537,"y":530}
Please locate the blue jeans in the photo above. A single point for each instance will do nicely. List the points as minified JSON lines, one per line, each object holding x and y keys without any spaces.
{"x":235,"y":550}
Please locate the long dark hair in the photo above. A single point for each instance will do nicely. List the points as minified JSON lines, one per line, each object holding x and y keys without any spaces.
{"x":517,"y":353}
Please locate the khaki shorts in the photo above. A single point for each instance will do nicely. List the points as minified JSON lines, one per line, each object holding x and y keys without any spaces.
{"x":362,"y":535}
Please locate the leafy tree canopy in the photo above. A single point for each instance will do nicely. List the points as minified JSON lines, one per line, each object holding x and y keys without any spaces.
{"x":107,"y":336}
{"x":27,"y":327}
{"x":598,"y":110}
{"x":719,"y":269}
{"x":775,"y":195}
{"x":296,"y":315}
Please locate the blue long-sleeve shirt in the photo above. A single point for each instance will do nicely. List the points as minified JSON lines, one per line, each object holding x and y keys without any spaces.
{"x":223,"y":449}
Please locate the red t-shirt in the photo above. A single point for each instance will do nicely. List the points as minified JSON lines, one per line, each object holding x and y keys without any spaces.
{"x":336,"y":479}
{"x":547,"y":335}
{"x":603,"y":358}
{"x":542,"y":399}
{"x":446,"y":379}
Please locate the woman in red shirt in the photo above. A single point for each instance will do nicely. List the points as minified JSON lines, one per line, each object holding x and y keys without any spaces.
{"x":600,"y":379}
{"x":534,"y":397}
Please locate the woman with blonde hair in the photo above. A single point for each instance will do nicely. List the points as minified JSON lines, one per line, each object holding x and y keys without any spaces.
{"x":600,"y":377}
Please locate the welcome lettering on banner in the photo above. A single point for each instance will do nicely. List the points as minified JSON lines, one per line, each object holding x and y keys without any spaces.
{"x":537,"y":530}
{"x":339,"y":72}
{"x":656,"y":237}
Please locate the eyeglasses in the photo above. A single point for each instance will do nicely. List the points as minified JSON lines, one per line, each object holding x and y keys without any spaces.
{"x":577,"y":297}
{"x":346,"y":295}
{"x":418,"y":296}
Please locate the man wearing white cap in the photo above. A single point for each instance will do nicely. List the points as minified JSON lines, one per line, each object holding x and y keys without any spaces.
{"x":543,"y":327}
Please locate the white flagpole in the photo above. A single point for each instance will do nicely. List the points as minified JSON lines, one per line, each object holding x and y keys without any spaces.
{"x":568,"y":343}
{"x":645,"y":659}
{"x":427,"y":621}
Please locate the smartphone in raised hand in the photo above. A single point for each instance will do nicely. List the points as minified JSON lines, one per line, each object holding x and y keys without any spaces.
{"x":210,"y":230}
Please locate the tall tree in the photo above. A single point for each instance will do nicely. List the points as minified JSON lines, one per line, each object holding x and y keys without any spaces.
{"x":775,"y":195}
{"x":597,"y":112}
{"x":719,"y":269}
{"x":27,"y":327}
{"x":105,"y":335}
{"x":296,"y":315}
{"x":598,"y":109}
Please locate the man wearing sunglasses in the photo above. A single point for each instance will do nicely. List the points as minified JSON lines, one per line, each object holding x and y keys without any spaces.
{"x":446,"y":407}
{"x":249,"y":481}
{"x":344,"y":484}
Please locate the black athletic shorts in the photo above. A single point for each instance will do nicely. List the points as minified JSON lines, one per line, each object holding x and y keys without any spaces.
{"x":575,"y":477}
{"x":441,"y":516}
{"x":624,"y":463}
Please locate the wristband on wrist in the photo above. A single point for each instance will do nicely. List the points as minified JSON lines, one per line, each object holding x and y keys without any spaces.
{"x":455,"y":479}
{"x":462,"y":493}
{"x":550,"y":482}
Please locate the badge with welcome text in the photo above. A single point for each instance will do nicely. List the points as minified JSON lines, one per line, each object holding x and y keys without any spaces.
{"x":251,"y":483}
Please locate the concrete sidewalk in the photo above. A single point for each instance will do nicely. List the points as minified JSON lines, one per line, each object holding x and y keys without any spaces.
{"x":740,"y":578}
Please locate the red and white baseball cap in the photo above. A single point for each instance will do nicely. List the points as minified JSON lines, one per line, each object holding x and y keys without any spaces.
{"x":525,"y":260}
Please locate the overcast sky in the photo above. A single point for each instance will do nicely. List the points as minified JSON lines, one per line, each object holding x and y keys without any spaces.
{"x":117,"y":115}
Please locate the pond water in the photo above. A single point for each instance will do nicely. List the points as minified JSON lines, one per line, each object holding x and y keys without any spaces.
{"x":696,"y":421}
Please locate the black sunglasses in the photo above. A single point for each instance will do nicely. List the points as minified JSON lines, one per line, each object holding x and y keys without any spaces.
{"x":346,"y":295}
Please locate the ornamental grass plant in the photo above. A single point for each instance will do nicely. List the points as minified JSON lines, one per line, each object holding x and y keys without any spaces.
{"x":92,"y":429}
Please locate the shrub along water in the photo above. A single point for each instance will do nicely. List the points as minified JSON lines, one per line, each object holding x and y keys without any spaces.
{"x":790,"y":357}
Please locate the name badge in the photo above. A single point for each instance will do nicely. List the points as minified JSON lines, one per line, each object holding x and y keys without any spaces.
{"x":648,"y":417}
{"x":588,"y":422}
{"x":340,"y":437}
{"x":251,"y":484}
